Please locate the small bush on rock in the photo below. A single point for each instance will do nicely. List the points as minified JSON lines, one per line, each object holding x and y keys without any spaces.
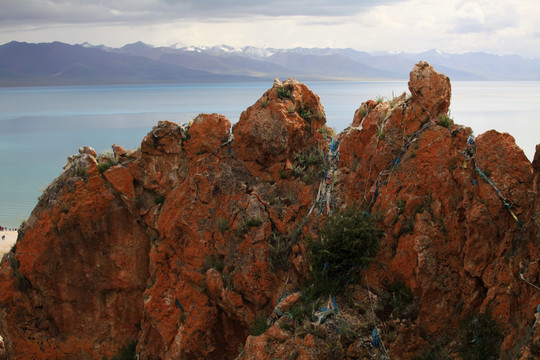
{"x":445,"y":121}
{"x":480,"y":338}
{"x":284,"y":92}
{"x":347,"y":242}
{"x":259,"y":326}
{"x":127,"y":352}
{"x":397,"y":298}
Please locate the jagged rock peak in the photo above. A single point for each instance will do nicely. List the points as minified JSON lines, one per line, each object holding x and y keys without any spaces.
{"x":184,"y":244}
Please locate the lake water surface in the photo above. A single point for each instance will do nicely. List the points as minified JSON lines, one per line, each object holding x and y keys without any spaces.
{"x":41,"y":126}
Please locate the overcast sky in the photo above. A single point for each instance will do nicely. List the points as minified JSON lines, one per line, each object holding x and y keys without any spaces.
{"x":457,"y":26}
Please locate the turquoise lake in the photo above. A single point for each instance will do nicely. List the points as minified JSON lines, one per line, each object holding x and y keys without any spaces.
{"x":41,"y":126}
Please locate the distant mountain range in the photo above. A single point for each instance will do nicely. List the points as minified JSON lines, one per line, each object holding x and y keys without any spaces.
{"x":24,"y":64}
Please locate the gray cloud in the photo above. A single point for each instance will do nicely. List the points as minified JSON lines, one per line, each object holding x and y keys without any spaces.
{"x":126,"y":11}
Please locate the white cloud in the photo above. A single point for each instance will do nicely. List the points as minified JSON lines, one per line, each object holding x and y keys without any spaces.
{"x":497,"y":26}
{"x":485,"y":16}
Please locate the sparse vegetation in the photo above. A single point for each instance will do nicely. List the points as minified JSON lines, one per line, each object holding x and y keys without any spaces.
{"x":347,"y":242}
{"x":304,"y":113}
{"x":212,"y":261}
{"x":284,"y":92}
{"x":139,"y":201}
{"x":81,"y":172}
{"x":127,"y":352}
{"x":308,"y":165}
{"x":222,"y":224}
{"x":23,"y":284}
{"x":308,"y":179}
{"x":327,"y":131}
{"x":535,"y":348}
{"x":259,"y":326}
{"x":280,"y":249}
{"x":254,"y":221}
{"x":437,"y":350}
{"x":303,"y":310}
{"x":363,"y":110}
{"x":393,"y":101}
{"x":159,"y":199}
{"x":106,"y":160}
{"x":408,"y":225}
{"x":479,"y":338}
{"x":400,"y":205}
{"x":246,"y":224}
{"x":398,"y":299}
{"x":445,"y":120}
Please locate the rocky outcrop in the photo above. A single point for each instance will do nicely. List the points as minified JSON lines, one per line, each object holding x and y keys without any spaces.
{"x":186,"y":244}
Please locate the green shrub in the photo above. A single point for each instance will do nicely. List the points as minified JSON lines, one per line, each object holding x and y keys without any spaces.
{"x":304,"y":113}
{"x":363,"y":111}
{"x":445,"y":121}
{"x":222,"y":224}
{"x":280,"y":249}
{"x":347,"y":242}
{"x":159,"y":199}
{"x":319,"y":115}
{"x":81,"y":172}
{"x":259,"y":326}
{"x":285,"y":325}
{"x":393,"y":101}
{"x":308,"y":179}
{"x":23,"y":284}
{"x":397,"y":298}
{"x":480,"y":338}
{"x":284,"y":92}
{"x":408,"y":226}
{"x":106,"y":160}
{"x":213,"y":261}
{"x":254,"y":221}
{"x":102,"y":167}
{"x":308,"y":164}
{"x":535,"y":348}
{"x":139,"y":201}
{"x":242,"y":228}
{"x":304,"y":308}
{"x":437,"y":350}
{"x":127,"y":352}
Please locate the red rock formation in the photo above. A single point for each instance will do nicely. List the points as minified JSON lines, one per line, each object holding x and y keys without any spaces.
{"x":182,"y":245}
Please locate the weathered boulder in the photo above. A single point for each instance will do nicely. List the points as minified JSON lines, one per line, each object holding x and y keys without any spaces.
{"x":282,"y":123}
{"x":430,"y":88}
{"x":118,"y":150}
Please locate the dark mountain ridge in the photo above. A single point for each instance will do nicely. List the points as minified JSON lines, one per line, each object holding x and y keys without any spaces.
{"x":56,"y":63}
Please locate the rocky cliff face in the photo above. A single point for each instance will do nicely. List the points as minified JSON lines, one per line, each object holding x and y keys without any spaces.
{"x":182,"y":246}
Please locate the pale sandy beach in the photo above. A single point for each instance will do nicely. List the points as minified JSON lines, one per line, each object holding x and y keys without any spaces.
{"x":7,"y":243}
